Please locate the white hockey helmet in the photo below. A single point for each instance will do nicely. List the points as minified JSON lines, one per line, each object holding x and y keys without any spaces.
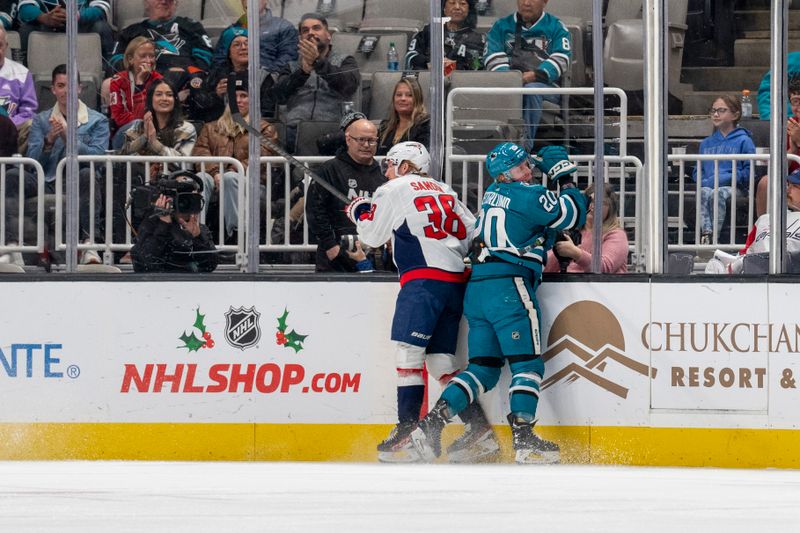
{"x":412,"y":152}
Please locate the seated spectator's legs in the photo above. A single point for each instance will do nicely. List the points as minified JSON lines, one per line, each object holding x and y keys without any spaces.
{"x":707,"y":210}
{"x":118,"y":140}
{"x":12,"y":200}
{"x":84,"y":209}
{"x":230,"y":201}
{"x":532,"y":110}
{"x":24,"y":32}
{"x":208,"y":192}
{"x":22,"y":136}
{"x":761,"y":195}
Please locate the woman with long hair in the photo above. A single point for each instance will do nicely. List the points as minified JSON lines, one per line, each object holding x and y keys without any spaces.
{"x":613,"y":249}
{"x":129,"y":87}
{"x":225,"y":138}
{"x":408,"y":120}
{"x":162,"y":130}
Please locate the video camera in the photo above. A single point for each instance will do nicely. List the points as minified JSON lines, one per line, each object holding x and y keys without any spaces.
{"x":575,"y":235}
{"x":183,"y":188}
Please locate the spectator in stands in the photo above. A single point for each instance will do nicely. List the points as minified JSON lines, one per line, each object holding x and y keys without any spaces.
{"x":8,"y":14}
{"x":130,"y":87}
{"x":463,"y":45}
{"x":183,"y":49}
{"x":319,"y":81}
{"x":47,"y":145}
{"x":354,"y":172}
{"x":727,"y":138}
{"x":235,"y":44}
{"x":764,"y":103}
{"x":613,"y":249}
{"x":408,"y":120}
{"x":538,"y":45}
{"x":51,"y":16}
{"x":174,"y":242}
{"x":226,"y":138}
{"x":792,"y":143}
{"x":758,"y":239}
{"x":161,"y":131}
{"x":8,"y":135}
{"x":278,"y":40}
{"x":17,"y":92}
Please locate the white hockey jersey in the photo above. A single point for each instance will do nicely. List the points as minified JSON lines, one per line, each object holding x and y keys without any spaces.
{"x":430,"y":229}
{"x":760,"y":242}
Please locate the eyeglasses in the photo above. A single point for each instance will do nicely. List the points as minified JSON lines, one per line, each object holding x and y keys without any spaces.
{"x":368,"y":141}
{"x":718,"y":110}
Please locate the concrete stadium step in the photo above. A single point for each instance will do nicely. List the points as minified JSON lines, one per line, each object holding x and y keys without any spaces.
{"x":755,"y":52}
{"x":698,"y":102}
{"x":724,"y":79}
{"x":765,"y":34}
{"x":760,"y":20}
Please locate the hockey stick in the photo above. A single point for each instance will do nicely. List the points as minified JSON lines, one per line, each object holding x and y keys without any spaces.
{"x":239,"y":119}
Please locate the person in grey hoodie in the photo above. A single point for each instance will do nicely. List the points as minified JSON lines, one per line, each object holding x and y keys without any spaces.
{"x":727,"y":138}
{"x":319,"y":81}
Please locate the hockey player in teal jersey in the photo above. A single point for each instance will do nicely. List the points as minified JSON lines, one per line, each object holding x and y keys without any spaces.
{"x":538,"y":45}
{"x":518,"y":224}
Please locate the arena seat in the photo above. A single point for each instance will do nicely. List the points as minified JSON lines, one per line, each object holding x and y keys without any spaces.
{"x":382,"y":91}
{"x":391,"y":16}
{"x":14,"y":46}
{"x":348,"y":44}
{"x":219,"y":14}
{"x":42,"y":60}
{"x":342,"y":15}
{"x":307,"y":134}
{"x":681,"y":263}
{"x":471,"y":127}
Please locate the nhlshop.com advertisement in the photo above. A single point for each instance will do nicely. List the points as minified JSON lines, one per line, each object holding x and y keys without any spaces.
{"x":186,"y":352}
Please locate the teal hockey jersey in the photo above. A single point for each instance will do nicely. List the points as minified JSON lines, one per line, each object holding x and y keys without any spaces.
{"x":546,"y":43}
{"x":518,"y":224}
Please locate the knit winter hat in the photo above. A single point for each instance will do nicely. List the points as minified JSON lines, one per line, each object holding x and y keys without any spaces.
{"x":227,"y":37}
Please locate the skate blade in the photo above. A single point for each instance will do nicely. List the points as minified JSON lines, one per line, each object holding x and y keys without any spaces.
{"x":406,"y":455}
{"x":534,"y":457}
{"x":482,"y":451}
{"x":422,"y":446}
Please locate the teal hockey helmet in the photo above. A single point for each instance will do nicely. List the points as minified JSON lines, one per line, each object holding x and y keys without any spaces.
{"x":503,"y":157}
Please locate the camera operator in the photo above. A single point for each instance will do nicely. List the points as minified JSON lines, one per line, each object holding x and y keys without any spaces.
{"x":172,"y":238}
{"x":573,"y":250}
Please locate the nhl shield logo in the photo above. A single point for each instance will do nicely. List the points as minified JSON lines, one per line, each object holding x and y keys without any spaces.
{"x":242,"y":329}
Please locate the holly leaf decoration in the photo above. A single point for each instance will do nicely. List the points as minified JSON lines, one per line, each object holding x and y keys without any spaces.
{"x":199,"y":322}
{"x":191,"y":342}
{"x":295,"y":341}
{"x":282,"y":320}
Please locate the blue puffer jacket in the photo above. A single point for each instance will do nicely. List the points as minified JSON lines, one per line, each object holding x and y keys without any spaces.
{"x":738,"y":141}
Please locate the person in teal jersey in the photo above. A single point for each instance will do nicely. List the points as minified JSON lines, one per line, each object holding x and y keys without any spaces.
{"x":517,"y":224}
{"x":539,"y":46}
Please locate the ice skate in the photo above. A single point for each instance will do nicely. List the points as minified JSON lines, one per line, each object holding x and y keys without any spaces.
{"x":397,"y":447}
{"x":427,"y":437}
{"x":530,"y":448}
{"x":477,"y":443}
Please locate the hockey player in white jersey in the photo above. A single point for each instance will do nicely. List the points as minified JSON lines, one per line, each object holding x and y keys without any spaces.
{"x":430,"y":232}
{"x":758,"y":239}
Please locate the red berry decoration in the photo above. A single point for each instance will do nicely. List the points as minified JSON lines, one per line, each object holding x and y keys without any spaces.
{"x":207,"y":335}
{"x":210,"y":344}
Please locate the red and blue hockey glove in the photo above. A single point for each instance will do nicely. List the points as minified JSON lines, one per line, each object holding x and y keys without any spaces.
{"x":359,"y":209}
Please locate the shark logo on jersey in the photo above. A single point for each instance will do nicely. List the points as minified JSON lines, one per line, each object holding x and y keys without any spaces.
{"x":169,"y":43}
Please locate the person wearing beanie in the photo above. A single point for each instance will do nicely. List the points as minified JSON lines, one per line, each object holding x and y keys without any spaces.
{"x":234,"y":43}
{"x":277,"y":42}
{"x":319,"y":81}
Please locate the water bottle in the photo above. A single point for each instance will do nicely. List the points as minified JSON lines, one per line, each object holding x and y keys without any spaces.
{"x":747,"y":105}
{"x":392,"y":59}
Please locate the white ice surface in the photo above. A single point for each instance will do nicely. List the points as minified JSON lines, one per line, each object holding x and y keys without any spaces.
{"x":119,"y":497}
